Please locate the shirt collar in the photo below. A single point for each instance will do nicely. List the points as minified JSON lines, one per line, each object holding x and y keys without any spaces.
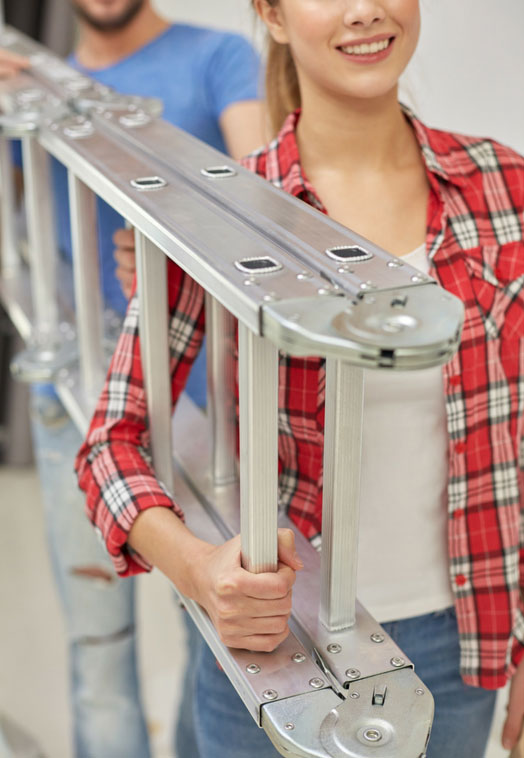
{"x":441,"y":153}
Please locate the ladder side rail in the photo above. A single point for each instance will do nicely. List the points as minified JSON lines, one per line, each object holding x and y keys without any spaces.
{"x":258,"y":411}
{"x":87,"y":286}
{"x":341,"y":493}
{"x":41,"y":236}
{"x":221,"y":401}
{"x":153,"y":314}
{"x":10,"y":256}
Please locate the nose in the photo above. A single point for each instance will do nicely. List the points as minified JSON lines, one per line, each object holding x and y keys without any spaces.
{"x":363,"y":13}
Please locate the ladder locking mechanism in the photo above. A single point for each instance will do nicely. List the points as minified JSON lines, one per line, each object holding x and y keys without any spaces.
{"x":386,"y":716}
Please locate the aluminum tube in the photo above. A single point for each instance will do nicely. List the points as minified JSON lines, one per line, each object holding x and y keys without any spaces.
{"x":153,"y":307}
{"x":86,"y":270}
{"x":258,"y":391}
{"x":10,"y":257}
{"x":41,"y":235}
{"x":341,"y":493}
{"x":220,"y":343}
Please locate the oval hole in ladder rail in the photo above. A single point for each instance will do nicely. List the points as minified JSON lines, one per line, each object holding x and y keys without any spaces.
{"x":144,"y":183}
{"x":218,"y":172}
{"x":349,"y":253}
{"x":263,"y":265}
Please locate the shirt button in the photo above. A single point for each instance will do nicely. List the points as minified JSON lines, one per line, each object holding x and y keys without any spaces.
{"x":455,"y":380}
{"x":460,"y":580}
{"x":459,"y":513}
{"x":460,"y":448}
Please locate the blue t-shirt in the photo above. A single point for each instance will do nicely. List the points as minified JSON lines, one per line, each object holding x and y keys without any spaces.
{"x":197,"y":73}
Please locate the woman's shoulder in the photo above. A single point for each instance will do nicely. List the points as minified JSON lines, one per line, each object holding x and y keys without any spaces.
{"x":274,"y":160}
{"x":476,"y":162}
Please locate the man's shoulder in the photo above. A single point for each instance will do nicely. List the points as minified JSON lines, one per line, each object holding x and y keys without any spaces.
{"x":210,"y":37}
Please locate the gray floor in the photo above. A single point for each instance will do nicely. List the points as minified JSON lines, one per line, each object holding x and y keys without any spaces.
{"x":32,"y":651}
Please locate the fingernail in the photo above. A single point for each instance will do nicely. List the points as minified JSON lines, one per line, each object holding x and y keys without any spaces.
{"x":506,"y":744}
{"x":298,"y":560}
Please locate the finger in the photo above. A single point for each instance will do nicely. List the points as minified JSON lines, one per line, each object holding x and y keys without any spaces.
{"x":6,"y":70}
{"x":264,"y":643}
{"x":125,"y":258}
{"x":126,"y":281}
{"x":286,"y":549}
{"x":266,"y":608}
{"x":124,"y":238}
{"x":247,"y":626}
{"x":14,"y":58}
{"x":266,"y":586}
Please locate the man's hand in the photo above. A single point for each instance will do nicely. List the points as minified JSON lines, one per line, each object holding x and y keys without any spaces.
{"x":249,"y":611}
{"x":515,"y":718}
{"x":124,"y":255}
{"x":11,"y":64}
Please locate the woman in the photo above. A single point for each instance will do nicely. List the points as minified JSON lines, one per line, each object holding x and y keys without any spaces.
{"x":455,"y":206}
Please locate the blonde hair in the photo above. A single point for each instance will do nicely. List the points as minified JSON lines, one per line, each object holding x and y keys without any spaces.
{"x":282,"y":90}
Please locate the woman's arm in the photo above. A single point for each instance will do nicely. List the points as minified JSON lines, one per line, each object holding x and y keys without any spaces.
{"x":114,"y":466}
{"x":136,"y":516}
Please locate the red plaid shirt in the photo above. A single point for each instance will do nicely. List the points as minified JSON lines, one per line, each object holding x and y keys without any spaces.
{"x":475,"y":243}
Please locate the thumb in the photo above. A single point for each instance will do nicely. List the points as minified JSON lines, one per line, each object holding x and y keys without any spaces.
{"x":286,"y":549}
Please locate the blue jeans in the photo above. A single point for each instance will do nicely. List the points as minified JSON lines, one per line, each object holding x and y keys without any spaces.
{"x":463,"y":714}
{"x":108,"y":719}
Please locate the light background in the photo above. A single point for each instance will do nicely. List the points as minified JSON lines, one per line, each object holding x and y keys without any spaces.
{"x":467,"y":75}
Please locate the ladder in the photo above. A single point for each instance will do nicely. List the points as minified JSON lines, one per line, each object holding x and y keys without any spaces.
{"x":296,"y":282}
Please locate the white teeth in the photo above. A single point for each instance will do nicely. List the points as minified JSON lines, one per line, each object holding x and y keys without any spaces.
{"x":366,"y":49}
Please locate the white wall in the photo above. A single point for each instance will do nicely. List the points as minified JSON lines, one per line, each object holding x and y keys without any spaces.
{"x":468,"y":74}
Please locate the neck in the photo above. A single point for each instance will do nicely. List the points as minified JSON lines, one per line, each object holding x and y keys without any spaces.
{"x":98,"y":49}
{"x":358,"y":135}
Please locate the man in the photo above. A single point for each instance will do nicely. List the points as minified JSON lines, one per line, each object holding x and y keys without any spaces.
{"x":207,"y":81}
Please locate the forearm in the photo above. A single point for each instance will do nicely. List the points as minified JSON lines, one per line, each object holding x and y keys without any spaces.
{"x":166,"y":542}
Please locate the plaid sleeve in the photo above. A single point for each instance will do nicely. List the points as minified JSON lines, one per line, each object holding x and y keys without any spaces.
{"x":113,"y":465}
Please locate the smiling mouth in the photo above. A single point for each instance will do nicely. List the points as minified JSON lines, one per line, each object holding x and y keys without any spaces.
{"x":370,"y":48}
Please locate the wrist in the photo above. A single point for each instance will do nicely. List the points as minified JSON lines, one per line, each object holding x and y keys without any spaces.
{"x":190,"y":574}
{"x":160,"y":536}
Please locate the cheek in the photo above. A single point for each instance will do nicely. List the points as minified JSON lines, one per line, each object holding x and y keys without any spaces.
{"x":310,"y":22}
{"x":407,"y":13}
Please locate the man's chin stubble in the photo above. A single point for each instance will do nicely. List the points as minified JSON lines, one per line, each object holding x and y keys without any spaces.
{"x":112,"y":24}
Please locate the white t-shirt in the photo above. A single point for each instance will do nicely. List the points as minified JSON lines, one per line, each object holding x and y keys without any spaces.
{"x":403,"y":556}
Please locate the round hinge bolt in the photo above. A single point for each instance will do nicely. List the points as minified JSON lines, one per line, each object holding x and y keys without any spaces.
{"x":397,"y":662}
{"x":377,"y":637}
{"x":253,"y":668}
{"x":289,"y":726}
{"x":419,"y":691}
{"x":334,"y":647}
{"x":270,"y":694}
{"x":372,"y":735}
{"x":354,"y":695}
{"x":298,"y":658}
{"x":395,"y":264}
{"x":316,"y":683}
{"x":353,"y":673}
